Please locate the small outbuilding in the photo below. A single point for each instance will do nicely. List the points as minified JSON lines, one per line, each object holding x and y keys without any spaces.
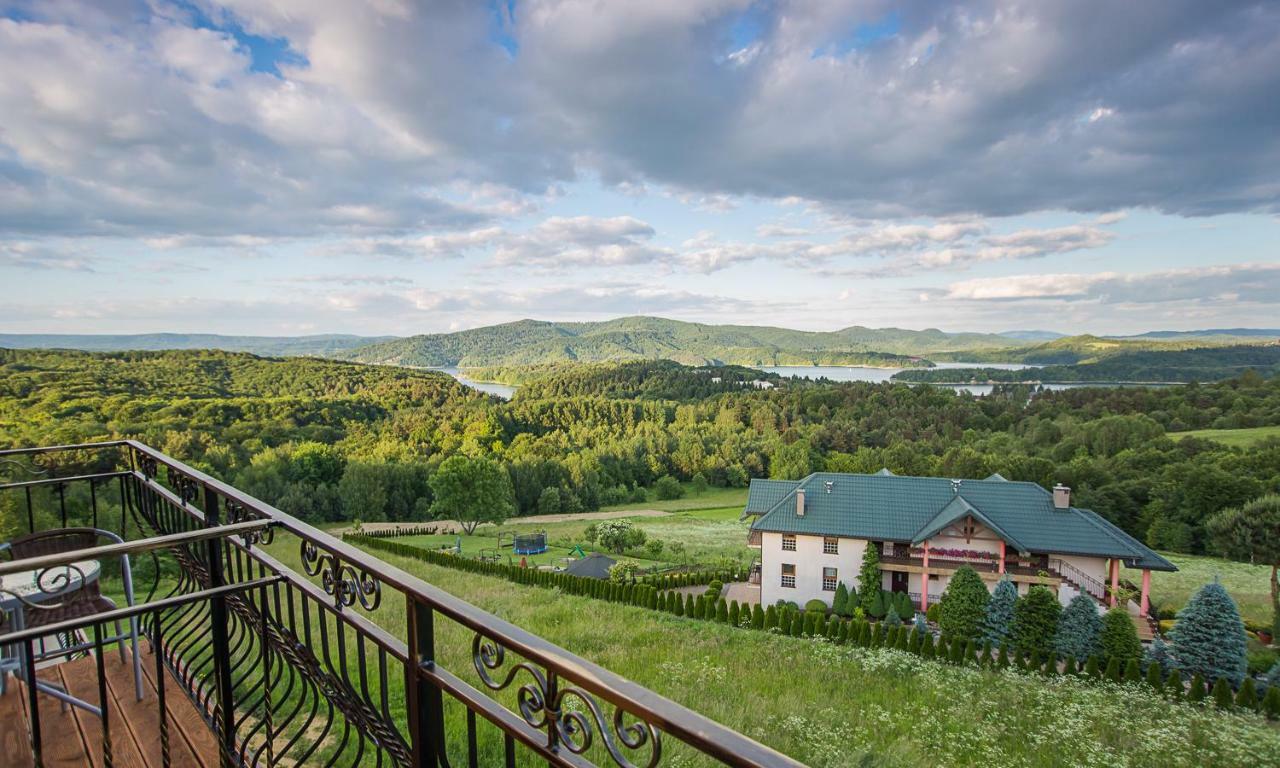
{"x":593,"y":566}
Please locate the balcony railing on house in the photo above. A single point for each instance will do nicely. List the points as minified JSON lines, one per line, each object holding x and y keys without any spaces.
{"x":269,"y":642}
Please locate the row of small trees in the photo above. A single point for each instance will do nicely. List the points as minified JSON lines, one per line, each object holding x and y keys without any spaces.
{"x":1208,"y":639}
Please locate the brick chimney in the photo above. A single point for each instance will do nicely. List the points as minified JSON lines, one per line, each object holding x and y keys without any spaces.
{"x":799,"y":502}
{"x":1061,"y":496}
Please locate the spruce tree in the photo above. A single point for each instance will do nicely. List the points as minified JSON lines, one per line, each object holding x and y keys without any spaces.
{"x":1119,"y":638}
{"x":1158,"y":652}
{"x":869,"y":579}
{"x":1035,"y":620}
{"x":1079,"y":628}
{"x":840,"y":603}
{"x":1209,"y":637}
{"x":1155,"y":676}
{"x":892,"y":619}
{"x":964,"y":604}
{"x":997,"y":620}
{"x":921,"y":624}
{"x":1222,"y":694}
{"x":1247,"y":696}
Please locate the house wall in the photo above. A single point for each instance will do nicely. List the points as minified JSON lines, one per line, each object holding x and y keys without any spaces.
{"x":809,"y":561}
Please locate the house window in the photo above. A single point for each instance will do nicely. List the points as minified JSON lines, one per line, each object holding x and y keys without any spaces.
{"x":788,"y":542}
{"x":830,"y":545}
{"x":829,"y":579}
{"x":788,"y":575}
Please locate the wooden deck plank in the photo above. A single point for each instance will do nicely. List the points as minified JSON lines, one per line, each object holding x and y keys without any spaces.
{"x":15,"y":746}
{"x":60,"y":735}
{"x":187,"y":724}
{"x":81,"y":678}
{"x":142,"y":718}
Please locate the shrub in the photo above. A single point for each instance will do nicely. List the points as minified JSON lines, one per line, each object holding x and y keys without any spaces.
{"x":1132,"y":672}
{"x":700,"y":607}
{"x":678,"y":609}
{"x":927,"y":648}
{"x":964,"y":603}
{"x":904,"y":639}
{"x":722,"y":612}
{"x":892,"y":619}
{"x":1271,"y":703}
{"x":840,"y":603}
{"x":1155,"y":675}
{"x":1079,"y":628}
{"x":970,"y":651}
{"x":876,"y":607}
{"x":690,"y":609}
{"x":1209,"y":637}
{"x":1196,"y":691}
{"x":902,"y":604}
{"x":1119,"y":638}
{"x":715,"y":588}
{"x":1158,"y":653}
{"x":735,"y":617}
{"x":623,"y":573}
{"x":667,"y":488}
{"x":1174,"y":687}
{"x":1035,"y":620}
{"x":1091,"y":667}
{"x":932,"y":613}
{"x":797,"y":626}
{"x":1114,"y":669}
{"x":869,"y":579}
{"x":1247,"y":696}
{"x":1222,"y":693}
{"x":816,"y":605}
{"x":757,"y":617}
{"x":618,"y":536}
{"x":997,"y":621}
{"x":1069,"y":667}
{"x":770,"y":617}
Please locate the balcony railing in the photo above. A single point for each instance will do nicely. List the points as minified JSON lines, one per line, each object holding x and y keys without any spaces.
{"x":346,"y":660}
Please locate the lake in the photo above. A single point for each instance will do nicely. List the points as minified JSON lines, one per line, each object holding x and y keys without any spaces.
{"x":504,"y":391}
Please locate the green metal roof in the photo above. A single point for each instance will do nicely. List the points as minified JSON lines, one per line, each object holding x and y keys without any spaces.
{"x":886,"y":507}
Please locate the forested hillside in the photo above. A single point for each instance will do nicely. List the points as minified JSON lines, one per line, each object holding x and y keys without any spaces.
{"x":327,"y":440}
{"x":321,"y":345}
{"x":531,"y":342}
{"x":1071,"y":350}
{"x":1198,"y":364}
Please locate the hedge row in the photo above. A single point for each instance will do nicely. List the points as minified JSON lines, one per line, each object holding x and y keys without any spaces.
{"x":390,"y":533}
{"x":787,"y":620}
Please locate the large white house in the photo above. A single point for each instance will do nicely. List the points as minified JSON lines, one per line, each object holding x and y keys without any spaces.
{"x":812,"y":534}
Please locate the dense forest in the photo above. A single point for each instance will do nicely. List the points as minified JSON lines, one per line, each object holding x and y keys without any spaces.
{"x":531,"y":342}
{"x":1184,"y":365}
{"x":326,"y":440}
{"x":323,"y":345}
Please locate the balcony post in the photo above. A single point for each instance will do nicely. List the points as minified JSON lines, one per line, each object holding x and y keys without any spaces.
{"x":1115,"y":580}
{"x":226,"y":711}
{"x":425,"y":703}
{"x":924,"y":580}
{"x":1146,"y":592}
{"x":1002,"y":546}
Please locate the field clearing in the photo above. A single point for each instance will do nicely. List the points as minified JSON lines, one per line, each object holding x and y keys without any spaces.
{"x":1236,"y":438}
{"x":839,"y":706}
{"x":708,"y":499}
{"x":1248,"y":584}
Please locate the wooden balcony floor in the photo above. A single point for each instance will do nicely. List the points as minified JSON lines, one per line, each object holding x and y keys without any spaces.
{"x":73,"y":737}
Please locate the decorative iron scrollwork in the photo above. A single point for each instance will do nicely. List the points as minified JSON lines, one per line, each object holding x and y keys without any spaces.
{"x":147,"y":466}
{"x":64,"y":581}
{"x":347,"y":584}
{"x":574,"y":729}
{"x":187,"y":488}
{"x":238,"y":513}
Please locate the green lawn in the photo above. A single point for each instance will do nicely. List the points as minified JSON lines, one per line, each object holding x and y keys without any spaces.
{"x":1248,"y":584}
{"x":485,"y":542}
{"x":831,"y":705}
{"x":708,"y":499}
{"x":1236,"y":438}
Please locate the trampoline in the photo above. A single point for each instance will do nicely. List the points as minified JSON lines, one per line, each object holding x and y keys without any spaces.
{"x":530,"y":543}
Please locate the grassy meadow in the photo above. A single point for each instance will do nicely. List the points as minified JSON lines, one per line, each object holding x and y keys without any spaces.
{"x":829,"y":705}
{"x":1235,"y":438}
{"x":1248,"y":584}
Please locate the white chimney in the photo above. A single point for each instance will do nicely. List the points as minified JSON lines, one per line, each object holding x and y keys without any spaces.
{"x":799,"y":502}
{"x":1061,"y":496}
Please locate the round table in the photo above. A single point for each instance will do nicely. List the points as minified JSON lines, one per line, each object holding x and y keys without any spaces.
{"x":25,"y":590}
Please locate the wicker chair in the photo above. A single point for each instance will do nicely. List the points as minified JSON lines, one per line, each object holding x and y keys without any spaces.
{"x":86,"y":600}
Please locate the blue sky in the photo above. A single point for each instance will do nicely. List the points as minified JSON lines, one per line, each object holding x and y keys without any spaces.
{"x":286,"y":167}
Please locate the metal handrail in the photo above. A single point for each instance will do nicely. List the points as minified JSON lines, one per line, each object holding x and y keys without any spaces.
{"x":339,"y":562}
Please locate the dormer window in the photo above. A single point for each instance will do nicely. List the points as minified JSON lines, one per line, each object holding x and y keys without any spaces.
{"x":788,"y":542}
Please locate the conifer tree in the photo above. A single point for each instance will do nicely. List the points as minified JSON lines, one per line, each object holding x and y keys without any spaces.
{"x":906,"y":611}
{"x":1035,"y":620}
{"x":840,"y":603}
{"x":1002,"y":658}
{"x":984,"y":656}
{"x":997,"y":620}
{"x":1091,"y":667}
{"x":864,"y":634}
{"x":1247,"y":696}
{"x":842,"y":633}
{"x":700,"y":607}
{"x":1069,"y":667}
{"x":1209,"y":637}
{"x":927,"y":649}
{"x":1222,"y":694}
{"x":970,"y":651}
{"x":722,"y":611}
{"x":944,"y":647}
{"x":770,"y":617}
{"x":757,"y":617}
{"x":734,"y":615}
{"x":677,"y":606}
{"x":1079,"y":628}
{"x":1196,"y":691}
{"x":662,"y":601}
{"x":964,"y":604}
{"x":875,"y":607}
{"x":1115,"y":669}
{"x":1174,"y":687}
{"x":1271,"y":703}
{"x":1158,"y":652}
{"x":689,"y":608}
{"x":1032,"y":661}
{"x":869,"y":579}
{"x":1155,"y":676}
{"x":1132,"y":672}
{"x":1119,"y":638}
{"x":797,"y":626}
{"x":921,"y":624}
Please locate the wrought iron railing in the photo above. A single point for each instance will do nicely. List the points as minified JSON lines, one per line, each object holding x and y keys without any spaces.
{"x":345,"y":660}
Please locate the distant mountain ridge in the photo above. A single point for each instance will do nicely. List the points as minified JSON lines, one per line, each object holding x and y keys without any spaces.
{"x":1032,"y":335}
{"x":527,"y":342}
{"x":320,"y":345}
{"x":1273,"y":333}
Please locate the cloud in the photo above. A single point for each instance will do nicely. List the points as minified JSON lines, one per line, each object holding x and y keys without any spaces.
{"x":1244,"y":283}
{"x":34,"y":255}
